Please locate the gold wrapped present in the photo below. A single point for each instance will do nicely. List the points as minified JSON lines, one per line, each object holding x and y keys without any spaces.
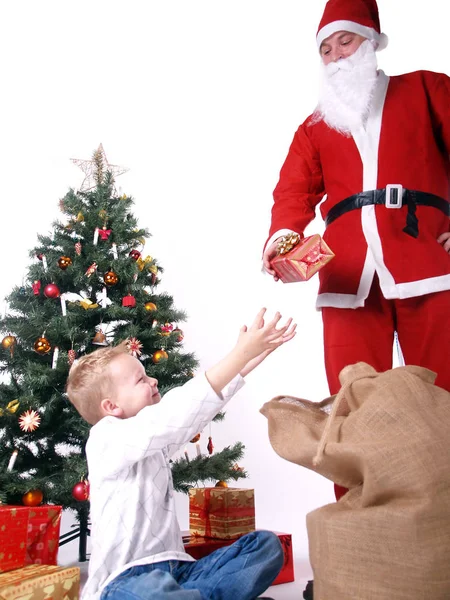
{"x":41,"y":582}
{"x":299,"y":259}
{"x":223,"y":513}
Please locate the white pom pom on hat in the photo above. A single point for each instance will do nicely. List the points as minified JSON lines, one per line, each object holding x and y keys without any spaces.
{"x":356,"y":16}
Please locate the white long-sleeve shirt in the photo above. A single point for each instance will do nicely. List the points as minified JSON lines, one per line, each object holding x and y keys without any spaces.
{"x":131,"y":490}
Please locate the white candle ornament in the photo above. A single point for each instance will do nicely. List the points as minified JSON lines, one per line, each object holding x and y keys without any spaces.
{"x":12,"y":460}
{"x":114,"y":251}
{"x":95,"y":236}
{"x":63,"y":305}
{"x":55,"y":357}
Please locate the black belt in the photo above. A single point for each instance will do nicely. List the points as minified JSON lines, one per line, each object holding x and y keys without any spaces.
{"x":393,"y":197}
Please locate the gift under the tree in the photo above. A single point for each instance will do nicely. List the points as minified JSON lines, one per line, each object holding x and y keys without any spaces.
{"x":198,"y":547}
{"x":28,"y":535}
{"x":299,"y":259}
{"x":219,"y":512}
{"x":13,"y":536}
{"x":43,"y":535}
{"x":41,"y":582}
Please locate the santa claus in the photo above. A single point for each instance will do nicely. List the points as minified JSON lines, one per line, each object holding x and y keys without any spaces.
{"x":378,"y":148}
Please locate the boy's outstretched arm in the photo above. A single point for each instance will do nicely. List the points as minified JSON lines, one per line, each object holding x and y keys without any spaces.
{"x":252,"y":347}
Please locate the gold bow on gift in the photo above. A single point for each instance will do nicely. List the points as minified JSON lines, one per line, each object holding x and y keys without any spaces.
{"x":287,"y":242}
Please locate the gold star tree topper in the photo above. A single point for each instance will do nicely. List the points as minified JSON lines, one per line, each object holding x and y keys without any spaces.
{"x":95,"y":169}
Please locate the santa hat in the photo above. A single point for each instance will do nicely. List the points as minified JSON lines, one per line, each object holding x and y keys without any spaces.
{"x":356,"y":16}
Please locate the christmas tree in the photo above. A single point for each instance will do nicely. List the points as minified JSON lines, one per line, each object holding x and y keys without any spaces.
{"x":89,"y":285}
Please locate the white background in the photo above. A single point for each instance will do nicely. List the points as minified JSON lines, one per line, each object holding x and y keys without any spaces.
{"x":200,"y":99}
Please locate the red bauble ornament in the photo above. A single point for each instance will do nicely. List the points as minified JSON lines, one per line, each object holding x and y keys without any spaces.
{"x":180,"y":334}
{"x":135,"y":254}
{"x":129,"y":301}
{"x":51,"y":291}
{"x":80,"y":491}
{"x":33,"y":498}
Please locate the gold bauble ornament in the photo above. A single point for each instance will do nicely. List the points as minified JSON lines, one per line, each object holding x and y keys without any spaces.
{"x":33,"y":498}
{"x":159,"y":355}
{"x":221,"y":483}
{"x":110,"y":278}
{"x":64,"y":262}
{"x":42,"y":345}
{"x":9,"y":341}
{"x":150,"y":306}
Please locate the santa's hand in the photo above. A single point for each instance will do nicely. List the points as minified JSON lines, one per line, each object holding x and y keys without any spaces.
{"x":269,"y":253}
{"x":444,"y":239}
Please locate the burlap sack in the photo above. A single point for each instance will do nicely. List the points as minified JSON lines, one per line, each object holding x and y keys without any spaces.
{"x":388,"y":538}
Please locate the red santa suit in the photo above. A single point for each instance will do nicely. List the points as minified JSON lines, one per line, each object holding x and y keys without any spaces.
{"x":381,"y":280}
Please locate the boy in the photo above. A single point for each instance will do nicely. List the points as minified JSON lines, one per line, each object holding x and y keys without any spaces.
{"x":137,"y":551}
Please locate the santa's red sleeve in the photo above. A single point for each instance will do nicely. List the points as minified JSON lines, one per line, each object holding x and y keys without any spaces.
{"x":300,"y":187}
{"x":438,"y":86}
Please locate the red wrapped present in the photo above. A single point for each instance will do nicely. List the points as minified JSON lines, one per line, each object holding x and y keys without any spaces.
{"x":299,"y":259}
{"x":287,"y":570}
{"x":43,"y":535}
{"x":224,"y":513}
{"x":13,"y":536}
{"x":41,"y":582}
{"x":198,"y":547}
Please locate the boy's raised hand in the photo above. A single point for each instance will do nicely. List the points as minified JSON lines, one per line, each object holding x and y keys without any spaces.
{"x":258,"y":341}
{"x":252,"y":347}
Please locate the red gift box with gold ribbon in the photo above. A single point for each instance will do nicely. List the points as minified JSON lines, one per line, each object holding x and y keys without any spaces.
{"x":28,"y":535}
{"x":13,"y":536}
{"x":223,"y":513}
{"x":43,"y":535}
{"x":198,"y":547}
{"x":299,"y":259}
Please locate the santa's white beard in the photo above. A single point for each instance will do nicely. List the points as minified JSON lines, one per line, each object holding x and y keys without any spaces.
{"x":347,"y":88}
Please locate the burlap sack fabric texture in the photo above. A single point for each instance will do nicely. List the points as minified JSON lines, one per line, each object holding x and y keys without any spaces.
{"x":386,"y":437}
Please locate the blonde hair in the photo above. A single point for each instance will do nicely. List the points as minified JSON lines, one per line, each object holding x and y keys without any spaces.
{"x":88,"y":383}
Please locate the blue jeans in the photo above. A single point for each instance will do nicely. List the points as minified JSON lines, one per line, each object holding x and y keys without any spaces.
{"x":241,"y":571}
